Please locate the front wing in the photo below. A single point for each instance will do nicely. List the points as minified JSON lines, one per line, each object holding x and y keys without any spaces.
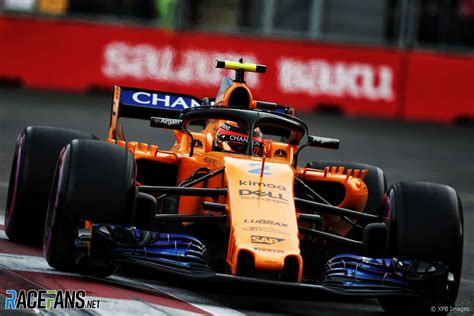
{"x":185,"y":256}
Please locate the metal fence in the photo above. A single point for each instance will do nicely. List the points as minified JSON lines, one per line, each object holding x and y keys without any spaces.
{"x":440,"y":25}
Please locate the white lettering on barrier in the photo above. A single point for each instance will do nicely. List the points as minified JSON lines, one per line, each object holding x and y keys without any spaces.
{"x":145,"y":62}
{"x":313,"y":77}
{"x":320,"y":77}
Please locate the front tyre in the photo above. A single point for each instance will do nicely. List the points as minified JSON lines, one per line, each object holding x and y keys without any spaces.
{"x":426,"y":223}
{"x":94,"y":181}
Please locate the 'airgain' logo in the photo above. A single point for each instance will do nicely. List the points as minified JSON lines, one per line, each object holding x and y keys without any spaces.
{"x":48,"y":299}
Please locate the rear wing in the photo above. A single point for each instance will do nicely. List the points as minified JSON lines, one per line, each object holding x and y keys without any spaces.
{"x":144,"y":104}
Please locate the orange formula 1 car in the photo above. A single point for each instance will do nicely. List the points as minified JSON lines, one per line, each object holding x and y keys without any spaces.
{"x":229,"y":202}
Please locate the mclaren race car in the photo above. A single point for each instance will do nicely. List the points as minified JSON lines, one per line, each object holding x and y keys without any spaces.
{"x":228,"y":201}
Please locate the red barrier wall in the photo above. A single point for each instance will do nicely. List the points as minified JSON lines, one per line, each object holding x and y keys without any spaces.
{"x":439,"y":87}
{"x":77,"y":56}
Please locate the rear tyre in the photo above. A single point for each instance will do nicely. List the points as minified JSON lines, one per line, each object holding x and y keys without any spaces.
{"x":426,"y":223}
{"x":32,"y":171}
{"x":375,"y":181}
{"x":94,"y":181}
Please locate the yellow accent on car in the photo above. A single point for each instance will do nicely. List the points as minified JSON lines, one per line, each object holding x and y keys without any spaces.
{"x":235,"y":65}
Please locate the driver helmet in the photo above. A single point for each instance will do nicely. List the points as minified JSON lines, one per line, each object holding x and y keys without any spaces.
{"x":231,"y":138}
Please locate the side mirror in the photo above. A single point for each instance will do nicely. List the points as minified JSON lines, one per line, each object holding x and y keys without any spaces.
{"x":317,"y":141}
{"x":174,"y":124}
{"x":323,"y":142}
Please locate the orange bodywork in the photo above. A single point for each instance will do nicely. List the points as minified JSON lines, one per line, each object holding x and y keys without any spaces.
{"x":260,"y":200}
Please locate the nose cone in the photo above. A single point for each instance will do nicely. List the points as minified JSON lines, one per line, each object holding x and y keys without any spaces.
{"x":262,"y":214}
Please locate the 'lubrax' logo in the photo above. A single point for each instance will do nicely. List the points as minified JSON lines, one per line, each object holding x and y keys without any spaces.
{"x":265,"y":222}
{"x":265,"y":240}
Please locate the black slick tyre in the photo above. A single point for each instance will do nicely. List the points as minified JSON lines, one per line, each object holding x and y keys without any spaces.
{"x":94,"y":181}
{"x":32,"y":171}
{"x":426,"y":223}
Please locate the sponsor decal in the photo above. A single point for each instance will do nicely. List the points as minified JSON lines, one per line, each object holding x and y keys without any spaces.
{"x":268,"y":250}
{"x":262,"y":195}
{"x":225,"y":126}
{"x":212,"y":161}
{"x":240,"y":139}
{"x":261,"y":184}
{"x":265,"y":240}
{"x":325,"y":140}
{"x":257,"y":142}
{"x":336,"y":79}
{"x":48,"y":299}
{"x":256,"y":168}
{"x":157,"y":100}
{"x":265,"y":230}
{"x":166,"y":122}
{"x":170,"y":122}
{"x":265,"y":222}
